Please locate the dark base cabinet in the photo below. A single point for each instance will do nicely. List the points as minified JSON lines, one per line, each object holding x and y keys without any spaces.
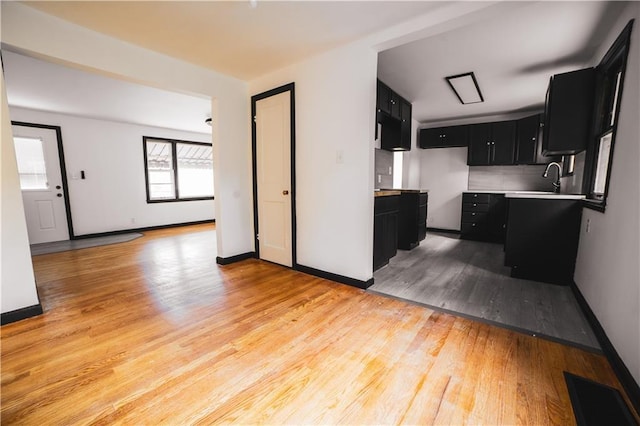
{"x":542,"y":239}
{"x":483,"y":217}
{"x":385,"y":229}
{"x":413,"y":219}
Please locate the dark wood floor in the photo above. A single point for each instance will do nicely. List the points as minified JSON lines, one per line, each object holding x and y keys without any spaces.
{"x":469,"y":277}
{"x":152,"y":331}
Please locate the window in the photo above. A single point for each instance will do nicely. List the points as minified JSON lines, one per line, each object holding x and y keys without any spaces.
{"x":178,"y":170}
{"x":609,"y":84}
{"x":31,"y":165}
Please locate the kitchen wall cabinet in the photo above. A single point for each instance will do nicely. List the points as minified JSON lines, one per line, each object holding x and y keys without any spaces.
{"x":413,"y":219}
{"x":385,"y":229}
{"x":542,"y":239}
{"x":394,"y":113}
{"x":568,"y":111}
{"x":483,"y":216}
{"x":444,"y":137}
{"x":492,"y":143}
{"x":529,"y":147}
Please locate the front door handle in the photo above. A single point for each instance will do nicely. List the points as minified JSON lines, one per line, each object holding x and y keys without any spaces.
{"x":285,"y":192}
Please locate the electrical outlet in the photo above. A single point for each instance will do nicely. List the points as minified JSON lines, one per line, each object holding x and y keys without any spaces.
{"x":588,"y":227}
{"x":390,"y":170}
{"x":133,"y":220}
{"x":379,"y":178}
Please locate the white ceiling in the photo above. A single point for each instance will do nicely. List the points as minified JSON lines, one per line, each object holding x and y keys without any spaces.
{"x":512,"y":54}
{"x":232,"y":37}
{"x":35,"y":84}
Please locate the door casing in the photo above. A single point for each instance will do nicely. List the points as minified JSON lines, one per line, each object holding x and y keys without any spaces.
{"x":254,"y":161}
{"x":63,"y":168}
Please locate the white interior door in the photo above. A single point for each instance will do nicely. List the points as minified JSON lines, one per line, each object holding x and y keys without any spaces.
{"x":273,"y":170}
{"x":41,"y":183}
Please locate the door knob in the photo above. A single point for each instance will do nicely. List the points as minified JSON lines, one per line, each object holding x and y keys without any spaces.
{"x":285,"y":192}
{"x":59,"y":195}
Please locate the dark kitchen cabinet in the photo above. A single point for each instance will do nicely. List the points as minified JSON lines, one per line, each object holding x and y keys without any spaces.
{"x":383,"y":99}
{"x":444,"y":137}
{"x":483,"y":217}
{"x":492,"y":144}
{"x":528,"y":147}
{"x":542,"y":239}
{"x":394,"y":114}
{"x":568,"y":110}
{"x":413,"y":219}
{"x":385,"y":229}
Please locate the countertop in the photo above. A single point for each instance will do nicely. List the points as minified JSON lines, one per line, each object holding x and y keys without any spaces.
{"x":385,"y":193}
{"x":532,"y":194}
{"x":413,"y":191}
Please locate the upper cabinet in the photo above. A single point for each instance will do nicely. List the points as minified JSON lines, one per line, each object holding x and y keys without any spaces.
{"x":492,"y":144}
{"x":529,"y":141}
{"x":394,"y":113}
{"x":568,"y":110}
{"x":444,"y":137}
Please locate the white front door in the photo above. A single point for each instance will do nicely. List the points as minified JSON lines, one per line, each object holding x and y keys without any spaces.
{"x":273,"y":170}
{"x":41,"y":183}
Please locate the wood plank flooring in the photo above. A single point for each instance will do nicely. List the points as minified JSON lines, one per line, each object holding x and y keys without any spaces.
{"x":469,"y":278}
{"x":152,"y":331}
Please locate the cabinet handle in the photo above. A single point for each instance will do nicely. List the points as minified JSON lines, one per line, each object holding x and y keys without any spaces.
{"x":475,"y":205}
{"x":475,"y":195}
{"x":473,"y":224}
{"x":473,"y":214}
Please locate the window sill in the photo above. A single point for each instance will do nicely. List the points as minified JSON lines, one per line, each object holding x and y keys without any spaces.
{"x":173,"y":200}
{"x":596,"y":205}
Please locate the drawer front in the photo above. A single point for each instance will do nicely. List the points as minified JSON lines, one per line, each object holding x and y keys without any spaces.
{"x":471,"y":229}
{"x":474,"y":197}
{"x":474,"y":217}
{"x":387,"y":204}
{"x":475,"y":207}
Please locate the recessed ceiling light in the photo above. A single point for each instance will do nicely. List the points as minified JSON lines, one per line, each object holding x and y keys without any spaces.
{"x":466,"y":88}
{"x":253,"y":3}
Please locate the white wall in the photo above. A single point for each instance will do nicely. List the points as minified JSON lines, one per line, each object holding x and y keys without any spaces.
{"x":607,"y":269}
{"x":335,"y":111}
{"x":34,"y":33}
{"x":113,"y":196}
{"x":444,"y":172}
{"x":411,"y":161}
{"x":17,"y":282}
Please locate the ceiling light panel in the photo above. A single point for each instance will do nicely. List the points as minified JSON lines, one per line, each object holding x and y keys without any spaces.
{"x":466,"y":88}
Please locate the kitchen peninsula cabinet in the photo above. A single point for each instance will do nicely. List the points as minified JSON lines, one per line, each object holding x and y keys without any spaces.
{"x":542,"y":238}
{"x":385,"y":227}
{"x":492,"y":143}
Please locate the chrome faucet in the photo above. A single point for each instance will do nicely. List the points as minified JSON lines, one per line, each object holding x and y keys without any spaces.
{"x":556,"y":184}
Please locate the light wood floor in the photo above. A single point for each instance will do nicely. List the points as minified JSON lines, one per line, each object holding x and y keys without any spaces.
{"x":153,"y":332}
{"x":469,"y":278}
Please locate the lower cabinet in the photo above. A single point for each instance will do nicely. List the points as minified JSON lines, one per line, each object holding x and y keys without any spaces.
{"x":483,"y":217}
{"x":542,"y":239}
{"x":385,"y":229}
{"x":413,"y":219}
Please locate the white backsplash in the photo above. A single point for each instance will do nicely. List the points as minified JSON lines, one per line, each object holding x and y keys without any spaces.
{"x":509,"y":178}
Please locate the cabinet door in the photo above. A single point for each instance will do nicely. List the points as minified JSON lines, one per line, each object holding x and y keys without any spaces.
{"x":391,"y":234}
{"x":430,"y":138}
{"x":383,"y":98}
{"x":497,"y":218}
{"x":527,"y":140}
{"x":503,"y":142}
{"x":456,"y":135}
{"x":379,"y":226}
{"x":405,"y":126}
{"x":479,"y":145}
{"x":395,"y":105}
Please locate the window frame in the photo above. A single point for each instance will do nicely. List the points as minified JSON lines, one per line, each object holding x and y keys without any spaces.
{"x":613,"y":62}
{"x":174,"y":159}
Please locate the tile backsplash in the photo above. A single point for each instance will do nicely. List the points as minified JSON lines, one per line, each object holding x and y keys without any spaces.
{"x":383,"y":176}
{"x":509,"y":178}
